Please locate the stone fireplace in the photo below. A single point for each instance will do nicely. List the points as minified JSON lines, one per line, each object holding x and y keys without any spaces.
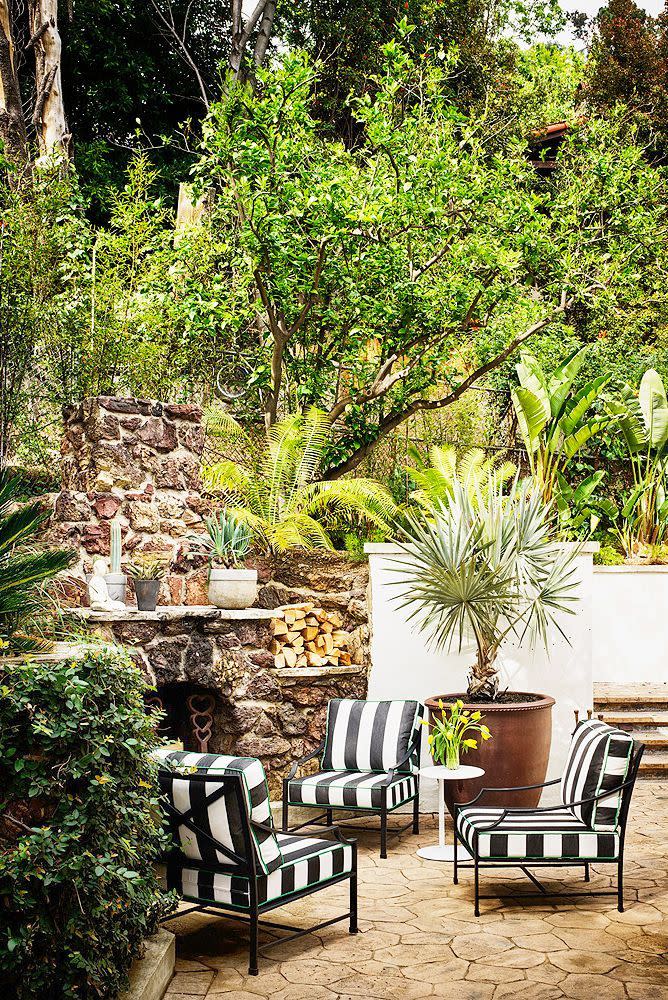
{"x":138,"y":461}
{"x":212,"y":673}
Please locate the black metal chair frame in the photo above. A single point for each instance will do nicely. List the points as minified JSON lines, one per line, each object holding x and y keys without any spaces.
{"x":382,"y":811}
{"x":247,"y":867}
{"x":525,"y":863}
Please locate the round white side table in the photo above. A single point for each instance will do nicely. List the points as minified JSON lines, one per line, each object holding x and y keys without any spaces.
{"x":443,"y":851}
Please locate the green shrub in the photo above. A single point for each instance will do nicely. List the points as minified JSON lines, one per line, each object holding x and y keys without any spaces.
{"x":79,"y":825}
{"x":608,"y":555}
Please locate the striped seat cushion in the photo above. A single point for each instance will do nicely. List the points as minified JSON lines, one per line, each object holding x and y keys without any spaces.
{"x":369,"y":735}
{"x":553,"y":835}
{"x":220,"y":818}
{"x":351,"y":789}
{"x":598,"y":761}
{"x":308,"y":862}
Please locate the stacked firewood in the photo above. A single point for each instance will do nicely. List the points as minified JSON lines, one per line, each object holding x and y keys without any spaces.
{"x":308,"y":636}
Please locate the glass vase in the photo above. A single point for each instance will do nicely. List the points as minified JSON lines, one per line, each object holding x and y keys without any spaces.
{"x":452,"y":757}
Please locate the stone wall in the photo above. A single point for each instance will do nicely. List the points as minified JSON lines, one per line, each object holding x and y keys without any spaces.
{"x":136,"y":460}
{"x":276,"y":715}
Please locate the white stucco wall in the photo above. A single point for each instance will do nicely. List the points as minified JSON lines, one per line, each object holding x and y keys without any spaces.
{"x":402,"y":666}
{"x":630,"y":624}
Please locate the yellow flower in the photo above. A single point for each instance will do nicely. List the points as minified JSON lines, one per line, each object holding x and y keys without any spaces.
{"x":440,"y":704}
{"x":460,"y":703}
{"x":476,"y":716}
{"x":144,"y":784}
{"x":102,"y":779}
{"x":471,"y":743}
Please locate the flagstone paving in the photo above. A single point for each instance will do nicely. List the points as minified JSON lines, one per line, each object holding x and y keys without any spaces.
{"x":419,"y":938}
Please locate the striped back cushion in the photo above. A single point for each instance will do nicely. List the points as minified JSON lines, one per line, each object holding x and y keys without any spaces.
{"x":598,"y":761}
{"x":221,"y":819}
{"x":369,"y":735}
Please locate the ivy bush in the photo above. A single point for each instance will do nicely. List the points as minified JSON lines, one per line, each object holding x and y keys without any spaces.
{"x":80,"y":825}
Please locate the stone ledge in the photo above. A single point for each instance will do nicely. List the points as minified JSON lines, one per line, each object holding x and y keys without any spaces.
{"x":150,"y":976}
{"x":300,"y":673}
{"x":174,"y":613}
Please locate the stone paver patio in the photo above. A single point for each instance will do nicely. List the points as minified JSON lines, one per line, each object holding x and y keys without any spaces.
{"x":418,"y":936}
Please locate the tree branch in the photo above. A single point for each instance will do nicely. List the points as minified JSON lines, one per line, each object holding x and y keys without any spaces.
{"x":394,"y":420}
{"x":169,"y":27}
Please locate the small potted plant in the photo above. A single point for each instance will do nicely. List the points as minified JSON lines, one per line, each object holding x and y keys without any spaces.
{"x":228,"y":542}
{"x":147,"y":572}
{"x":448,"y":737}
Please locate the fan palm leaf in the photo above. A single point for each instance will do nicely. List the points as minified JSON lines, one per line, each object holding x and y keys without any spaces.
{"x":24,"y":570}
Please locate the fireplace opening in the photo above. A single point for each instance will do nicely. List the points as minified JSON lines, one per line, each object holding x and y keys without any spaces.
{"x":188,"y":714}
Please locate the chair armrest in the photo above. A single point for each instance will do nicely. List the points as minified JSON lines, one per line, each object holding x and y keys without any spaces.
{"x":295,"y":833}
{"x":302,"y":760}
{"x":521,"y":810}
{"x":510,"y":788}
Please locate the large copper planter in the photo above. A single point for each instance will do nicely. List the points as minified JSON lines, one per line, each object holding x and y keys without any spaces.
{"x":517,"y":754}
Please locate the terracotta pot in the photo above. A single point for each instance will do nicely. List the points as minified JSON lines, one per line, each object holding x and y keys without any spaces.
{"x":517,"y":754}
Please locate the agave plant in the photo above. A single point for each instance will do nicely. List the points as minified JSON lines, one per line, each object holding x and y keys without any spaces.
{"x":228,"y":541}
{"x":280,"y":494}
{"x":555,"y":423}
{"x":476,"y":472}
{"x":643,"y":421}
{"x":24,"y":570}
{"x":485,"y":572}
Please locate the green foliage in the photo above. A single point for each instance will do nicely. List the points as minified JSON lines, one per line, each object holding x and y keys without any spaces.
{"x":483,"y":572}
{"x":608,"y":555}
{"x":369,"y":281}
{"x":24,"y":569}
{"x":148,"y":566}
{"x":228,"y":541}
{"x":281,"y":498}
{"x":448,"y":737}
{"x":643,"y":421}
{"x":80,"y":826}
{"x":556,"y":423}
{"x":476,"y":472}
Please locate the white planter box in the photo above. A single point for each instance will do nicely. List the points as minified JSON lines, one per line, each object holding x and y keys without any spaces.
{"x":630,"y":624}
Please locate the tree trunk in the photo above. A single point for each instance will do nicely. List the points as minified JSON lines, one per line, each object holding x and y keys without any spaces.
{"x":53,"y":135}
{"x":12,"y":124}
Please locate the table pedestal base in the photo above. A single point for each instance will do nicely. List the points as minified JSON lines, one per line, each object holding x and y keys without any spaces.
{"x":445,"y":853}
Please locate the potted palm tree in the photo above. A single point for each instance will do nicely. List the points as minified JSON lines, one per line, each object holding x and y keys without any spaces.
{"x":481,"y":570}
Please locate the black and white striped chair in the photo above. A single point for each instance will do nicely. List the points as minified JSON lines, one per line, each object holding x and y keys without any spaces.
{"x":588,"y":826}
{"x":228,"y":856}
{"x":370,"y":756}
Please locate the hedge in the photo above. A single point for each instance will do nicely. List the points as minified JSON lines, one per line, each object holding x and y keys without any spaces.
{"x":79,"y":825}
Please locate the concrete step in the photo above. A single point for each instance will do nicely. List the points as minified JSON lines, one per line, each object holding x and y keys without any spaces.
{"x":632,"y":718}
{"x":654,"y":765}
{"x":608,"y":696}
{"x":654,"y":739}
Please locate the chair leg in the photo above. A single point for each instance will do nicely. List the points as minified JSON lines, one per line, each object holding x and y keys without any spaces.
{"x":620,"y":885}
{"x":455,"y":873}
{"x":416,"y":814}
{"x":285,"y":807}
{"x":587,"y":877}
{"x":383,"y":831}
{"x":477,"y":887}
{"x":253,"y":959}
{"x":353,"y":893}
{"x":329,"y":817}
